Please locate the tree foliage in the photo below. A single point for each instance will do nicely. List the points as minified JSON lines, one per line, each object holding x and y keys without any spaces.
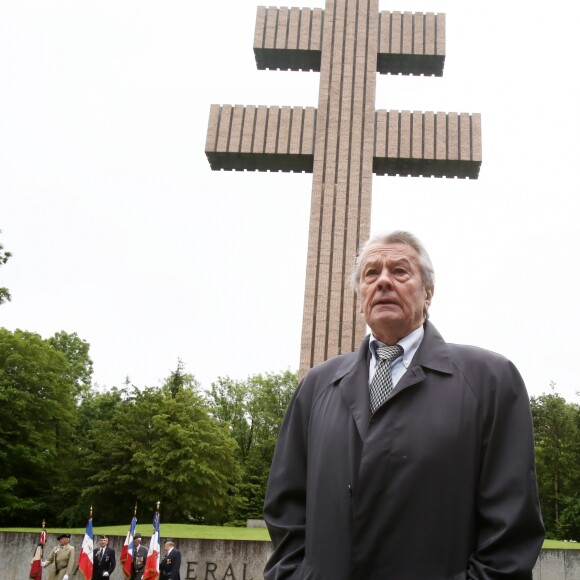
{"x":76,"y":351}
{"x":253,"y":411}
{"x":155,"y":444}
{"x":37,"y":419}
{"x":557,"y":437}
{"x":4,"y":256}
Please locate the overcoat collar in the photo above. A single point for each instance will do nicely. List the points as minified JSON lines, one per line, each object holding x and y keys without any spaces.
{"x":433,"y":352}
{"x":352,"y":376}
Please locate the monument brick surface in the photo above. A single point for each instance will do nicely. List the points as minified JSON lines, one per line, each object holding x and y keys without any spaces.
{"x":344,"y":140}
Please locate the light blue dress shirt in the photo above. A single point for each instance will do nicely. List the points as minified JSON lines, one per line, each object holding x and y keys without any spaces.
{"x":400,"y":365}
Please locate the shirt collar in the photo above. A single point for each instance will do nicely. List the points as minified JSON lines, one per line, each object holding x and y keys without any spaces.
{"x":410,"y":344}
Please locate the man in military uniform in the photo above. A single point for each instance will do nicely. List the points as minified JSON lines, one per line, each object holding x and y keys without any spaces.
{"x":139,"y":558}
{"x":61,"y":562}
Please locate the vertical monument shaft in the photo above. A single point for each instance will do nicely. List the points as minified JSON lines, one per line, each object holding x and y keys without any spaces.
{"x":344,"y":140}
{"x":342,"y":178}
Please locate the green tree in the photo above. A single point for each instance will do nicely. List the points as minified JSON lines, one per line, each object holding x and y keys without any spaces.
{"x":4,"y":256}
{"x":229,"y":401}
{"x":76,"y":351}
{"x":156,"y":443}
{"x":94,"y":413}
{"x":37,"y":418}
{"x":253,"y":411}
{"x":557,"y":442}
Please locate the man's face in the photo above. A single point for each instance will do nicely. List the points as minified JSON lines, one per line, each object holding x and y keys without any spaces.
{"x":137,"y":542}
{"x":103,"y":542}
{"x":393,"y":299}
{"x":63,"y":541}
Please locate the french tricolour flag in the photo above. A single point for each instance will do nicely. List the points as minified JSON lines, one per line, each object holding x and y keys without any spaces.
{"x":127,"y":551}
{"x":86,"y":555}
{"x":152,"y":563}
{"x":36,"y":564}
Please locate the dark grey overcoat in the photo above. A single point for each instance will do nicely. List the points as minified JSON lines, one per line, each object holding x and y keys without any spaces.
{"x":439,"y":484}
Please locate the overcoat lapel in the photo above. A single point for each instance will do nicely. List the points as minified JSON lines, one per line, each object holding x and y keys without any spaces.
{"x":432,"y":354}
{"x":354,"y":386}
{"x":352,"y":376}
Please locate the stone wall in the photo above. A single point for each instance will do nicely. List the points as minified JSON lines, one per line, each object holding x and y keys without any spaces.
{"x":201,"y":559}
{"x":226,"y":559}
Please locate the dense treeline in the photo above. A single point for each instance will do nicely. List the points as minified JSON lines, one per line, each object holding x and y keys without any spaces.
{"x":66,"y":444}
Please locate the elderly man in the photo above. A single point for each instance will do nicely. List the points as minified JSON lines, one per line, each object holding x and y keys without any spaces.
{"x":61,"y":562}
{"x":171,"y":562}
{"x":411,"y":459}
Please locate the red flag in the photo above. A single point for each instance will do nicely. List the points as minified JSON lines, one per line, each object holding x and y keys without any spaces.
{"x":127,"y":551}
{"x":152,"y":563}
{"x":36,"y":564}
{"x":86,"y":555}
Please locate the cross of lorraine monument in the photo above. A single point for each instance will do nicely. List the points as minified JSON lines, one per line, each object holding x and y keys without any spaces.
{"x":344,"y":140}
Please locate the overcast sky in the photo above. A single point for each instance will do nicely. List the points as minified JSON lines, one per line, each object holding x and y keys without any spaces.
{"x":122,"y":233}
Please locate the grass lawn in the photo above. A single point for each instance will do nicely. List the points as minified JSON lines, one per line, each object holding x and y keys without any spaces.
{"x":558,"y":545}
{"x":212,"y":533}
{"x":167,"y":531}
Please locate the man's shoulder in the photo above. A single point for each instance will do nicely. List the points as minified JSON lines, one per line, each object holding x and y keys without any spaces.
{"x":332,"y":366}
{"x":486,"y":368}
{"x":437,"y":347}
{"x":481,"y":368}
{"x":337,"y":361}
{"x":323,"y":375}
{"x":477,"y":362}
{"x":474,"y":353}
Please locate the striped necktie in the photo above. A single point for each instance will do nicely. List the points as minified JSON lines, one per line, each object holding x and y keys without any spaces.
{"x":382,"y":383}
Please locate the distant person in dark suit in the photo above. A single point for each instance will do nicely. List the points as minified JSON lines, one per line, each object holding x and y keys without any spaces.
{"x":103,"y":559}
{"x":139,"y":558}
{"x":169,"y":566}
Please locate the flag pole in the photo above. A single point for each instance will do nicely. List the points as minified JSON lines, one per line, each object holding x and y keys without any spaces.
{"x":152,"y":564}
{"x":36,"y":562}
{"x":127,"y":552}
{"x":86,"y":556}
